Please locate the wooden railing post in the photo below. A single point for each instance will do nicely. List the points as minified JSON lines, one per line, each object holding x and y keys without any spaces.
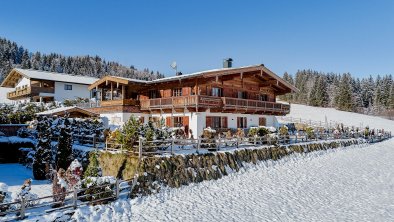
{"x":117,"y":189}
{"x":172,"y":146}
{"x":198,"y":145}
{"x":140,"y":148}
{"x":23,"y":205}
{"x":75,"y":198}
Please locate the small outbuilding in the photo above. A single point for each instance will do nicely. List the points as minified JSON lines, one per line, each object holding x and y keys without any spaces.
{"x":72,"y":111}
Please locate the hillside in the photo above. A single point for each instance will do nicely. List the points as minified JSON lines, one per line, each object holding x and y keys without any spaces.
{"x":370,"y":95}
{"x":345,"y":184}
{"x":13,"y":55}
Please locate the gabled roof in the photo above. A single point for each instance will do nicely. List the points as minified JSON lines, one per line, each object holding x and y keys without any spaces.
{"x":207,"y":73}
{"x":16,"y":73}
{"x":61,"y":111}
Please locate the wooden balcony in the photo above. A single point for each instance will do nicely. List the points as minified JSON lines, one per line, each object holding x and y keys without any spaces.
{"x":255,"y":106}
{"x":180,"y":102}
{"x":119,"y":102}
{"x":28,"y":91}
{"x":222,"y":104}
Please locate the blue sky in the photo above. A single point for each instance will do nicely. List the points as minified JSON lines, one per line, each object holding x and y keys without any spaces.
{"x":332,"y":36}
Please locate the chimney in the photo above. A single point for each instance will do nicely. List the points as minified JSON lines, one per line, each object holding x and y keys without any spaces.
{"x":227,"y":63}
{"x":179,"y":73}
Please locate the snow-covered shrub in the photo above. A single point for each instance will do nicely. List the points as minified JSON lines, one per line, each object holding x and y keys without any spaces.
{"x":64,"y":155}
{"x":310,"y":132}
{"x":25,"y":193}
{"x":5,"y":197}
{"x":93,"y":169}
{"x":74,"y":174}
{"x":24,"y":132}
{"x":43,"y":157}
{"x":59,"y":187}
{"x":98,"y":188}
{"x":208,"y":136}
{"x":129,"y":133}
{"x":240,"y":133}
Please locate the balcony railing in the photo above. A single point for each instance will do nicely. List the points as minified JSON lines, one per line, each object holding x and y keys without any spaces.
{"x":180,"y":102}
{"x":27,"y":91}
{"x":226,"y":103}
{"x":235,"y":103}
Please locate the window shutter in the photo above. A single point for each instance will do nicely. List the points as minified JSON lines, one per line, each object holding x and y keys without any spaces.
{"x":168,"y":121}
{"x":224,"y":122}
{"x":245,"y":122}
{"x":186,"y":124}
{"x":185,"y":91}
{"x":208,"y":121}
{"x":238,"y":125}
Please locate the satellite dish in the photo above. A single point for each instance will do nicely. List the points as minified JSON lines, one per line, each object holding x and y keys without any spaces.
{"x":173,"y":65}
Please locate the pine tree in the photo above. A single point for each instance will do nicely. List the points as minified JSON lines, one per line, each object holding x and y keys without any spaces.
{"x":64,"y":147}
{"x":93,"y":169}
{"x":343,"y":99}
{"x":42,"y":163}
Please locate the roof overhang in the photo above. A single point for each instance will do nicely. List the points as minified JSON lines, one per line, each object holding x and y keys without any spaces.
{"x":12,"y":79}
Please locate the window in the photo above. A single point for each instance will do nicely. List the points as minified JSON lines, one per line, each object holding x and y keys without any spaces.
{"x":263,"y":97}
{"x":242,"y":95}
{"x":178,"y":121}
{"x":242,"y":122}
{"x":216,"y":122}
{"x":217,"y":92}
{"x":262,"y":121}
{"x":177,"y":92}
{"x":68,"y":87}
{"x":153,"y":94}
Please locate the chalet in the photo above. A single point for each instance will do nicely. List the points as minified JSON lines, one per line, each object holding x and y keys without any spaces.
{"x":221,"y":99}
{"x":40,"y":86}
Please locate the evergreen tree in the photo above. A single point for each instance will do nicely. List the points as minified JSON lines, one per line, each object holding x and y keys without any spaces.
{"x":42,"y":163}
{"x":343,"y":99}
{"x":64,"y":147}
{"x":93,"y":169}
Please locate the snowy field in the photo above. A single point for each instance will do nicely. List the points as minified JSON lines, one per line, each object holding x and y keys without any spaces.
{"x":347,"y":184}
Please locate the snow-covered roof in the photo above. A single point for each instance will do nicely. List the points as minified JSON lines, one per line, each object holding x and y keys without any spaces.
{"x":222,"y":71}
{"x":63,"y":110}
{"x":52,"y":76}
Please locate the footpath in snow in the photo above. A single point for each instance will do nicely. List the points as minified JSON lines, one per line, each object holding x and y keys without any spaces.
{"x":346,"y":184}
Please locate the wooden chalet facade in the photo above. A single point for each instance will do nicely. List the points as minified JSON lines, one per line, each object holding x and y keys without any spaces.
{"x":222,"y":98}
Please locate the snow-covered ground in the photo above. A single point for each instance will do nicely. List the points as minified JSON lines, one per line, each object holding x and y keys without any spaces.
{"x":14,"y":175}
{"x":347,"y":184}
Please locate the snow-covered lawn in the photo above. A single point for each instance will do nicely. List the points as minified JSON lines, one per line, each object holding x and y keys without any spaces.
{"x":14,"y":175}
{"x":347,"y":184}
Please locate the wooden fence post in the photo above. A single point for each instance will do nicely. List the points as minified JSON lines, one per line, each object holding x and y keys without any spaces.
{"x":237,"y":142}
{"x":198,"y":145}
{"x":172,"y":146}
{"x":117,"y":189}
{"x":23,"y":205}
{"x":139,"y":148}
{"x":254,"y":141}
{"x":94,"y":141}
{"x":75,"y":198}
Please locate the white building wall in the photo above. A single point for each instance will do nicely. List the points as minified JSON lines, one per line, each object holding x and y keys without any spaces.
{"x":78,"y":90}
{"x":197,"y":121}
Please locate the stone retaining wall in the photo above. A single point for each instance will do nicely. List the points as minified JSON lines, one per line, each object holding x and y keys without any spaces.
{"x":178,"y":170}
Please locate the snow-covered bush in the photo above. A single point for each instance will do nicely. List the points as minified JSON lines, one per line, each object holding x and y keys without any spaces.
{"x":129,"y":133}
{"x":43,"y":157}
{"x":74,"y":174}
{"x":24,"y":132}
{"x":5,"y":197}
{"x":208,"y":136}
{"x":64,"y":154}
{"x":25,"y":193}
{"x":59,"y":187}
{"x":98,"y":188}
{"x":93,"y":169}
